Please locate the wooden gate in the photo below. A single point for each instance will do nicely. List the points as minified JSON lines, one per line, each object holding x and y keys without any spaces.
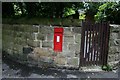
{"x":94,"y":43}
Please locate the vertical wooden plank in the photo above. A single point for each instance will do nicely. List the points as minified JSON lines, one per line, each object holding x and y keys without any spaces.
{"x":92,"y":45}
{"x":107,"y":41}
{"x":97,"y":43}
{"x":105,"y":25}
{"x":95,"y":31}
{"x":101,"y":44}
{"x":89,"y":42}
{"x":103,"y":54}
{"x":86,"y":45}
{"x":82,"y":45}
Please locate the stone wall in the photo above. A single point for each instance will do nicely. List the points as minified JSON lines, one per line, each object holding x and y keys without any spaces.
{"x":40,"y":38}
{"x":114,"y":45}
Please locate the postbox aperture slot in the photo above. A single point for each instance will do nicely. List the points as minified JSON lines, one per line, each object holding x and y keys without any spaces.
{"x":58,"y":38}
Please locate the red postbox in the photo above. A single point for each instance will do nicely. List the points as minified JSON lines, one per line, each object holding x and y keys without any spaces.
{"x":58,"y":39}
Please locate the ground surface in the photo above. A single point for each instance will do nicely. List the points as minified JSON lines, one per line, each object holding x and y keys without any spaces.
{"x":11,"y":70}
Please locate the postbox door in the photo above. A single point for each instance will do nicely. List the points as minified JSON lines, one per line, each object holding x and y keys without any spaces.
{"x":58,"y":42}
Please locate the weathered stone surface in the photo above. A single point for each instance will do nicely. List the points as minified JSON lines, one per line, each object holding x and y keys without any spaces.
{"x":50,"y":37}
{"x":68,"y":33}
{"x":68,"y":53}
{"x":73,"y":61}
{"x":114,"y":57}
{"x":113,"y":49}
{"x":115,"y":28}
{"x":46,"y":30}
{"x":78,"y":38}
{"x":115,"y":42}
{"x":67,"y":29}
{"x":118,"y":42}
{"x":46,"y":59}
{"x":35,"y":28}
{"x":41,"y":36}
{"x":18,"y":48}
{"x":34,"y":43}
{"x":47,"y":44}
{"x":119,"y":35}
{"x":65,"y":46}
{"x":27,"y":50}
{"x":74,"y":47}
{"x":41,"y":52}
{"x":69,"y":39}
{"x":77,"y":29}
{"x":113,"y":36}
{"x":77,"y":53}
{"x":60,"y":61}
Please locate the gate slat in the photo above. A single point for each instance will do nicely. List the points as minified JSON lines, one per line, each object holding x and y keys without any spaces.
{"x":82,"y":44}
{"x":107,"y":41}
{"x":97,"y":42}
{"x":94,"y":62}
{"x":92,"y":41}
{"x":86,"y":48}
{"x":104,"y":24}
{"x":89,"y":43}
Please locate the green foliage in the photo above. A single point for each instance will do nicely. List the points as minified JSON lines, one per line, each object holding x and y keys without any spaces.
{"x":82,"y":16}
{"x":68,"y":11}
{"x":92,"y":8}
{"x":107,"y":68}
{"x":108,"y":12}
{"x":105,"y":11}
{"x":41,"y":10}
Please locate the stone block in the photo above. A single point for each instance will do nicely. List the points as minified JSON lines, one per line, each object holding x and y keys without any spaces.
{"x":77,"y":53}
{"x":18,"y":48}
{"x":113,"y":49}
{"x":73,"y":61}
{"x":74,"y":47}
{"x":115,"y":28}
{"x":113,"y":36}
{"x":41,"y":36}
{"x":68,"y":39}
{"x":36,"y":43}
{"x":46,"y":59}
{"x":78,"y":38}
{"x":50,"y":37}
{"x":46,"y":30}
{"x":34,"y":29}
{"x":33,"y":36}
{"x":41,"y":52}
{"x":60,"y":61}
{"x":68,"y":33}
{"x":68,"y":53}
{"x":111,"y":43}
{"x":113,"y":57}
{"x":117,"y":42}
{"x":77,"y":29}
{"x":27,"y":50}
{"x":65,"y":46}
{"x":119,"y":35}
{"x":47,"y":44}
{"x":33,"y":43}
{"x":67,"y":29}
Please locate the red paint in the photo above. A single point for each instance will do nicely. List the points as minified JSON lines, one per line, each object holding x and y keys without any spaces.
{"x":58,"y":39}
